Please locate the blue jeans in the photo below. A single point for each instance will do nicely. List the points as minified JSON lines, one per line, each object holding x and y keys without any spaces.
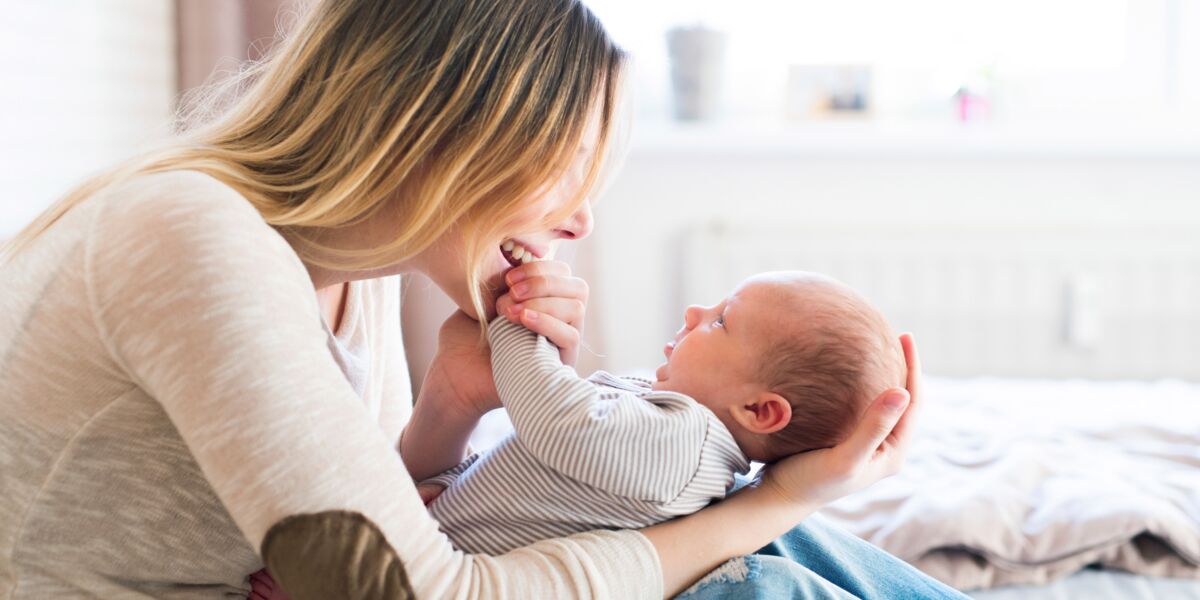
{"x":819,"y":560}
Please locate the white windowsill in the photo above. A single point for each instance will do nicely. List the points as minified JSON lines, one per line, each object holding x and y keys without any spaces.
{"x":880,"y":139}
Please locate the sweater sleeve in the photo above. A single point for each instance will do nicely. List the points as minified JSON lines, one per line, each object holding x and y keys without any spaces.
{"x":210,"y":312}
{"x":397,"y":387}
{"x":616,"y":441}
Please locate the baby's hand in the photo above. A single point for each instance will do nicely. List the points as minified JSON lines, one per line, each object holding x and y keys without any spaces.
{"x":544,"y":297}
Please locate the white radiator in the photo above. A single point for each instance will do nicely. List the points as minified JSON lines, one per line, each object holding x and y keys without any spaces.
{"x":994,"y":301}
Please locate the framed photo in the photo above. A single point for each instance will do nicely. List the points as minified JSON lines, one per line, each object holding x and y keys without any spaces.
{"x":822,"y":91}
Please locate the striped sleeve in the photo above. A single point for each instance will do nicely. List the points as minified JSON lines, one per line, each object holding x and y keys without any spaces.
{"x":613,"y":440}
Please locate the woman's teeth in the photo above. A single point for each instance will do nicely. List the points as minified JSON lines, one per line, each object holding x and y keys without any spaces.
{"x":516,"y":253}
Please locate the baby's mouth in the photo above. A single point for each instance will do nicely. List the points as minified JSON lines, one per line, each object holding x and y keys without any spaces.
{"x":517,"y":254}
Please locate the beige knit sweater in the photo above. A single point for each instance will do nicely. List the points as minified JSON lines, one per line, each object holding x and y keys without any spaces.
{"x":168,"y":394}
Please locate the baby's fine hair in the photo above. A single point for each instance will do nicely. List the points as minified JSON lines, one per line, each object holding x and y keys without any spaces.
{"x":838,"y":357}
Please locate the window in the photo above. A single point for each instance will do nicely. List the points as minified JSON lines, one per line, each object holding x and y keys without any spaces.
{"x":1040,"y":60}
{"x":85,"y":83}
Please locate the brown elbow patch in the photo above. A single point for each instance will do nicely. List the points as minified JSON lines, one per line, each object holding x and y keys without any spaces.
{"x":334,"y":554}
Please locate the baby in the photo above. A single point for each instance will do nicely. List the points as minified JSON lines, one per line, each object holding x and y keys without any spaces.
{"x":785,"y":364}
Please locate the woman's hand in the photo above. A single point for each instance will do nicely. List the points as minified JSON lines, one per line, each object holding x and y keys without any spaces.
{"x":791,"y":489}
{"x":457,"y":390}
{"x":460,"y":375}
{"x":873,"y":451}
{"x":544,"y":297}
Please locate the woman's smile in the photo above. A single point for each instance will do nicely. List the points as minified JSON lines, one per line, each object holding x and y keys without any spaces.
{"x":518,"y":252}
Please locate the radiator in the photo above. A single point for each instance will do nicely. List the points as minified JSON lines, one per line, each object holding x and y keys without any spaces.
{"x":1019,"y":302}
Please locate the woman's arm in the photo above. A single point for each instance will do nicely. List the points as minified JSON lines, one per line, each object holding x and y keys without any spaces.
{"x":457,"y":391}
{"x":459,"y":388}
{"x":204,"y":308}
{"x":436,"y":437}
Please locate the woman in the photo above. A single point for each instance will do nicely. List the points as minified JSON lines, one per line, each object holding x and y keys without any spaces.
{"x":179,"y":409}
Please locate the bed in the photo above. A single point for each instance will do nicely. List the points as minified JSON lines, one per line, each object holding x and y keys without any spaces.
{"x":1098,"y":585}
{"x":1038,"y":488}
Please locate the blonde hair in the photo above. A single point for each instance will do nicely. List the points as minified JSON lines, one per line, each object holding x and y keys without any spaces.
{"x":472,"y":107}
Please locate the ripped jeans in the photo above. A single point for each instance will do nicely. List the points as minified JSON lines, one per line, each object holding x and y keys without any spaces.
{"x":817,"y":560}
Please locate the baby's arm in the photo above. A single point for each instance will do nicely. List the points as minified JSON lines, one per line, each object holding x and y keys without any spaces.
{"x":617,"y":441}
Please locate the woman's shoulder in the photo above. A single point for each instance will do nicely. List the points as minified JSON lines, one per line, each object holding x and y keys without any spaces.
{"x":184,"y":216}
{"x":176,"y":197}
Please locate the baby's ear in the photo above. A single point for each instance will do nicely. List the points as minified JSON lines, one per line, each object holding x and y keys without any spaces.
{"x":766,"y":413}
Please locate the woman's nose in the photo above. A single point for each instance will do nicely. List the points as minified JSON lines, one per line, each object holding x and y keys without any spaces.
{"x":579,"y":224}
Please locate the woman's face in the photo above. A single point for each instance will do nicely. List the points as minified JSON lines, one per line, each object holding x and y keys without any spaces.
{"x":445,"y":261}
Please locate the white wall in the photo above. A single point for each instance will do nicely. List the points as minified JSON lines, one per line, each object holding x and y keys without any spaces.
{"x":675,"y":181}
{"x":85,"y":83}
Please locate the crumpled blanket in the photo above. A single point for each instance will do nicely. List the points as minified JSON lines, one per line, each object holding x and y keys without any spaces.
{"x":1026,"y":481}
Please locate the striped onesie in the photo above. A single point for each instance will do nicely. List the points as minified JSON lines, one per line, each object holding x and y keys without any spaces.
{"x":599,"y":453}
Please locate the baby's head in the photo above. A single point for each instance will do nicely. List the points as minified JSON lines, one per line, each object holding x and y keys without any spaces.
{"x":788,"y":362}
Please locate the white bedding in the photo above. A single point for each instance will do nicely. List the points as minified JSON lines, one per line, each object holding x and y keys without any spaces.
{"x":1094,"y":584}
{"x":1025,"y":482}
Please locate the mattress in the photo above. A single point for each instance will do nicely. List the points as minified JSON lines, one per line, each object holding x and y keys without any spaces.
{"x":1094,"y":584}
{"x":1015,"y":482}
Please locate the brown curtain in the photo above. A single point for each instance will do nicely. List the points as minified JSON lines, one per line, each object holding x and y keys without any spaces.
{"x":212,"y":31}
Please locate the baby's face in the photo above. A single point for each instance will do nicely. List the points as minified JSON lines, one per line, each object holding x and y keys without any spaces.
{"x":714,"y":358}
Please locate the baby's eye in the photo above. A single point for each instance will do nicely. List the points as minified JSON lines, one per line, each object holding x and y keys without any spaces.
{"x":720,"y":322}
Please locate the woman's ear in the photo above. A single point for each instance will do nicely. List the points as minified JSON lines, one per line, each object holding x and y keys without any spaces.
{"x":767,"y":412}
